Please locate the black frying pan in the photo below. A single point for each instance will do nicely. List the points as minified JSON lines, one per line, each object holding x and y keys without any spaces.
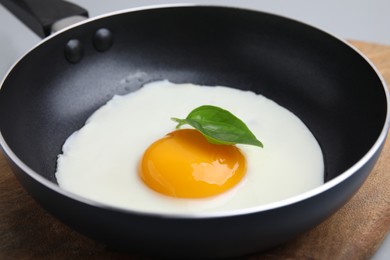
{"x":53,"y":89}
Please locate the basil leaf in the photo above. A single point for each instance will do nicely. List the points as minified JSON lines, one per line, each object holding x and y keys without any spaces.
{"x":219,"y":126}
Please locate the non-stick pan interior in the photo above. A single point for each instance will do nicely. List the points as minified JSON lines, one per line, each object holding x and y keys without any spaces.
{"x":331,"y":88}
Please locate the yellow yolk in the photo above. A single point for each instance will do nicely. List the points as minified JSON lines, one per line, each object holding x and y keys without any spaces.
{"x":184,"y":164}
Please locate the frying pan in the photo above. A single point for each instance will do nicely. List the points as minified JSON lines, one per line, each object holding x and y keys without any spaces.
{"x":53,"y":89}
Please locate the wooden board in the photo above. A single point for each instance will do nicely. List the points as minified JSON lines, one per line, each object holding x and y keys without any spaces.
{"x":354,"y":232}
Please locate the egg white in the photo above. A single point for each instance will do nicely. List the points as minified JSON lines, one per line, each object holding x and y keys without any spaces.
{"x":100,"y":161}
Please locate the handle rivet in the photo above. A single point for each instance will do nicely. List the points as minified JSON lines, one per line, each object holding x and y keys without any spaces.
{"x":102,"y":39}
{"x":73,"y":51}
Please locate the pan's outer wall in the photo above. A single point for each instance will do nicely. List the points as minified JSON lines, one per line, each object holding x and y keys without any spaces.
{"x":331,"y":88}
{"x":175,"y":237}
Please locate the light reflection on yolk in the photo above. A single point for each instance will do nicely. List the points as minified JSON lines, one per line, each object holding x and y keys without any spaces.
{"x":184,"y":164}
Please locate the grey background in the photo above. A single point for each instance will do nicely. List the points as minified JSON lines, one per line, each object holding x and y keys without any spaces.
{"x":348,"y":19}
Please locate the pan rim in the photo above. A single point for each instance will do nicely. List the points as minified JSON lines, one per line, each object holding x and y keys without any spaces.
{"x":222,"y":214}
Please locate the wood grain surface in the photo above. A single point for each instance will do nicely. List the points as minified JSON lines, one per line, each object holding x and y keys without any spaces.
{"x":354,"y":232}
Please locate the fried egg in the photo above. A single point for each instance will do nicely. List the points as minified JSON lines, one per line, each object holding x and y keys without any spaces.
{"x":129,"y":155}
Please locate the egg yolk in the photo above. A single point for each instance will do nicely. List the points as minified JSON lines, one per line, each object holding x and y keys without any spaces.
{"x":184,"y":164}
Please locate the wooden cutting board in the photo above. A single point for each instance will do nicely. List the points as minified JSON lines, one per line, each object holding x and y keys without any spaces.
{"x":354,"y":232}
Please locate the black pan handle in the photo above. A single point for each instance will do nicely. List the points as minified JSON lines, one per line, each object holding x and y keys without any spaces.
{"x":41,"y":15}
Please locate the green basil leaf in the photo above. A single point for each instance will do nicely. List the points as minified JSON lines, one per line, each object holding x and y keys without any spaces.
{"x":219,"y":126}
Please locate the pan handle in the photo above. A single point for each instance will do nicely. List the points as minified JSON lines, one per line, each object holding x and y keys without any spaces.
{"x":45,"y":16}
